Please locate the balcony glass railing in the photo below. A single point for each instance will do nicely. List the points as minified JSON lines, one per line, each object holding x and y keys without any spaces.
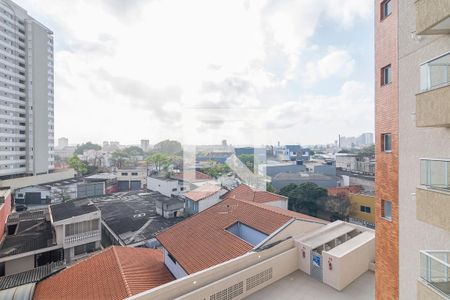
{"x":435,"y":73}
{"x":435,"y":270}
{"x":435,"y":173}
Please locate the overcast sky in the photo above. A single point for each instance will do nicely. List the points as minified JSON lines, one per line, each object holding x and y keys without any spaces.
{"x":200,"y":71}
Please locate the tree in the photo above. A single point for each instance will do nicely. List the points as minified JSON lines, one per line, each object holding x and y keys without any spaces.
{"x":134,"y":151}
{"x":305,"y":197}
{"x":118,"y":158}
{"x":88,"y":146}
{"x":368,"y":151}
{"x":270,"y":188}
{"x":168,"y":147}
{"x":217,"y":169}
{"x":159,"y":160}
{"x":78,"y":165}
{"x":339,"y":206}
{"x":248,"y":160}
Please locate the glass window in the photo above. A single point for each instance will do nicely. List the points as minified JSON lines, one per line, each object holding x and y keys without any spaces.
{"x":386,"y":75}
{"x":387,"y":142}
{"x":386,"y":8}
{"x":386,"y":211}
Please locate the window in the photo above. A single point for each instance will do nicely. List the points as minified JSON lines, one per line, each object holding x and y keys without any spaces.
{"x":86,"y":248}
{"x":134,"y":174}
{"x":82,"y":227}
{"x":386,"y":142}
{"x":124,"y":174}
{"x":365,"y":209}
{"x":386,"y":9}
{"x":174,"y":189}
{"x":386,"y":75}
{"x":386,"y":209}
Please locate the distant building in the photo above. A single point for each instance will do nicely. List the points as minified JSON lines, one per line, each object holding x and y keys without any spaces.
{"x":167,"y":186}
{"x":134,"y":218}
{"x":63,"y":142}
{"x":325,"y":169}
{"x":109,"y":180}
{"x":33,"y":195}
{"x":283,"y":179}
{"x":203,"y":197}
{"x":26,"y":142}
{"x":131,"y":179}
{"x":272,"y":169}
{"x":354,"y":163}
{"x":195,"y":178}
{"x":145,"y":145}
{"x":64,"y":232}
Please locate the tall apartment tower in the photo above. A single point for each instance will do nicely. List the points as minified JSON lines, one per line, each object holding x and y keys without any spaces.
{"x":26,"y":94}
{"x":412,"y":96}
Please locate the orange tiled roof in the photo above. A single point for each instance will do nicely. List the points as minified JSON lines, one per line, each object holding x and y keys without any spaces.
{"x":353,"y":189}
{"x":202,"y":192}
{"x":201,"y":241}
{"x":192,"y":176}
{"x":244,"y":192}
{"x":115,"y":273}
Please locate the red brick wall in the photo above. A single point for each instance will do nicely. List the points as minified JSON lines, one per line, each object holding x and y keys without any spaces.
{"x":5,"y":210}
{"x":386,"y":182}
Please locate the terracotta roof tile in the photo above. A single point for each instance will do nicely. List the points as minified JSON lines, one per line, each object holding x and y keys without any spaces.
{"x":201,"y":241}
{"x":353,"y":189}
{"x":202,"y":192}
{"x":192,"y":176}
{"x":244,"y":192}
{"x":115,"y":273}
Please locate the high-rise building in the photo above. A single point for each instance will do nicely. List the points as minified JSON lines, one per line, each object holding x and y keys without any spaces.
{"x":26,"y":93}
{"x":63,"y":142}
{"x":145,"y":144}
{"x":412,"y":93}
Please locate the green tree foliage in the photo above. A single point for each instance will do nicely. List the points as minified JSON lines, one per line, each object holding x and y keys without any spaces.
{"x":159,"y":160}
{"x":248,"y":160}
{"x":368,"y":151}
{"x":217,"y":169}
{"x":134,"y":151}
{"x":270,"y":188}
{"x":88,"y":146}
{"x":78,"y":165}
{"x":339,"y":206}
{"x":169,"y":147}
{"x":305,"y":198}
{"x":119,"y":158}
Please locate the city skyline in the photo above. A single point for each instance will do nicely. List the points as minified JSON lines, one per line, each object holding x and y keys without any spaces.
{"x":193,"y":83}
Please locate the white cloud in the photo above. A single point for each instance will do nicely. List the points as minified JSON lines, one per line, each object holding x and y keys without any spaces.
{"x":337,"y":62}
{"x":132,"y":69}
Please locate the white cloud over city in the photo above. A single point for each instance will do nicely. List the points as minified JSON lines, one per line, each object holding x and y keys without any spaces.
{"x":206,"y":70}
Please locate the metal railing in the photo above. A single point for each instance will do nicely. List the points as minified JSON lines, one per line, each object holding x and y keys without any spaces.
{"x":435,"y":173}
{"x":435,"y":73}
{"x":82,"y":236}
{"x":435,"y":270}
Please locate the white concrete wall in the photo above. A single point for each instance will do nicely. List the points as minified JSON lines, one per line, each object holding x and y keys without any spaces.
{"x":280,"y":203}
{"x":19,"y":265}
{"x":208,"y":202}
{"x":174,"y":268}
{"x":166,"y":187}
{"x":347,"y":268}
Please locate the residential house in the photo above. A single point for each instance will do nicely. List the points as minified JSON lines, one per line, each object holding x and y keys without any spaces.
{"x":131,"y":179}
{"x":244,"y":192}
{"x":167,"y":186}
{"x":203,"y":197}
{"x":222,"y":232}
{"x":114,"y":273}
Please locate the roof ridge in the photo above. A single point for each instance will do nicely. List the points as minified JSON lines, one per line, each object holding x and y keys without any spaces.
{"x":122,"y":273}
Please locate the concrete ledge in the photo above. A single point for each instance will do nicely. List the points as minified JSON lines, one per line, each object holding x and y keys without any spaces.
{"x":429,"y":16}
{"x":425,"y":292}
{"x":433,"y":207}
{"x":433,"y":107}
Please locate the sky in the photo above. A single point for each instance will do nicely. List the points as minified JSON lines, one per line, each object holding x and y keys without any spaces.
{"x":200,"y":71}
